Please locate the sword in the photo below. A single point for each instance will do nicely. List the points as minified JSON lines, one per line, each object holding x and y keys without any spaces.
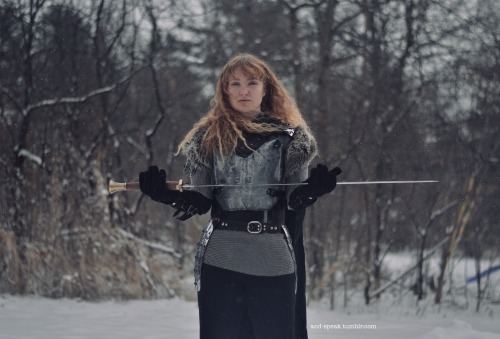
{"x":114,"y":186}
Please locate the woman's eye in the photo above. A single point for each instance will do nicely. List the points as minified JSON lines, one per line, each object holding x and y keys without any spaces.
{"x":253,"y":82}
{"x":234,"y":84}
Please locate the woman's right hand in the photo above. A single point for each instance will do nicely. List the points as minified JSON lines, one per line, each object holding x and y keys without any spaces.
{"x":320,"y":182}
{"x":152,"y":183}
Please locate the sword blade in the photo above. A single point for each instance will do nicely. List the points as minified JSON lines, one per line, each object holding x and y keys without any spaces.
{"x":386,"y":182}
{"x":187,"y":186}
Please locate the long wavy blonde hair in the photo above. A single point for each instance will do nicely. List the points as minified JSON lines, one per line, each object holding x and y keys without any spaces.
{"x":223,"y":125}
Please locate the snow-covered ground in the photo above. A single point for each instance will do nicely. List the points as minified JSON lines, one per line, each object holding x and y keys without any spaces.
{"x":26,"y":317}
{"x":395,"y":315}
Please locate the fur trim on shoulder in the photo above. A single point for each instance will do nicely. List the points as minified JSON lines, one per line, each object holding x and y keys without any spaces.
{"x":301,"y":150}
{"x":194,"y":153}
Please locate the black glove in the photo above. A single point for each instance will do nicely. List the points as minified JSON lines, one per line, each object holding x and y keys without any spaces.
{"x":152,"y":183}
{"x":320,"y":182}
{"x":191,"y":203}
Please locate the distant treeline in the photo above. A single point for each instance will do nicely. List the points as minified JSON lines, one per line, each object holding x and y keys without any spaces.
{"x":93,"y":90}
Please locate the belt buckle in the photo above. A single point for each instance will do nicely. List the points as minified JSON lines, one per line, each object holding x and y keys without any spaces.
{"x":251,"y":227}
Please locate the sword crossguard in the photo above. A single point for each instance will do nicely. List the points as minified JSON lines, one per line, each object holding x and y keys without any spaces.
{"x":179,"y":185}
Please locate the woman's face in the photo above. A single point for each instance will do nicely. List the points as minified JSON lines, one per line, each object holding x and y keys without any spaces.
{"x":245,"y":93}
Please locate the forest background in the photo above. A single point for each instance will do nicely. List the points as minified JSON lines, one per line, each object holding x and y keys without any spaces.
{"x":100,"y":89}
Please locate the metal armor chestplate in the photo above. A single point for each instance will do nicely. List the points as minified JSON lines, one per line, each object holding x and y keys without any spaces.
{"x":262,"y":166}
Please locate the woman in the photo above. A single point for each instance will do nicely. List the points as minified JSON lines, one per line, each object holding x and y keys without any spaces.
{"x":251,"y":142}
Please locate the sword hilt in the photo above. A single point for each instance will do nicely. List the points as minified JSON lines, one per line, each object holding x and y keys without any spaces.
{"x":114,"y":186}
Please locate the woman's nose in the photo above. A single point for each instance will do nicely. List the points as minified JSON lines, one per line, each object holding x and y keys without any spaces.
{"x":244,"y":90}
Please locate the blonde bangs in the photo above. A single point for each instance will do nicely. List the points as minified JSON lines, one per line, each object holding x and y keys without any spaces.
{"x":248,"y":65}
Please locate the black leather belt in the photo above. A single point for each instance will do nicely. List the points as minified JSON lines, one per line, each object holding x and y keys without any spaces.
{"x":253,"y":226}
{"x":254,"y":222}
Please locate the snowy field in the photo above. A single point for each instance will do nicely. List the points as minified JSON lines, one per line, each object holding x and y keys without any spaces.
{"x":24,"y":317}
{"x":395,"y":315}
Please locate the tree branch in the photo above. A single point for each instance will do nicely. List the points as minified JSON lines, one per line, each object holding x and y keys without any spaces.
{"x":74,"y":100}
